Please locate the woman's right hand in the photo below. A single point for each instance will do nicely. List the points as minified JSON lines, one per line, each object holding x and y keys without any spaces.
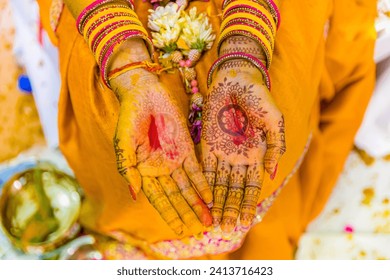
{"x":154,"y":151}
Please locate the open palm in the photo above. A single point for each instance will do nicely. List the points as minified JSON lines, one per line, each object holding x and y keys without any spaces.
{"x":243,"y":135}
{"x":154,"y":151}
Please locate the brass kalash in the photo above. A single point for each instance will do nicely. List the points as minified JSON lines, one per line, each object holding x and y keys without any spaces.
{"x":39,"y":209}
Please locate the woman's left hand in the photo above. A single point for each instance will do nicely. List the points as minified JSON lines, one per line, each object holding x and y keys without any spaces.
{"x":243,"y":134}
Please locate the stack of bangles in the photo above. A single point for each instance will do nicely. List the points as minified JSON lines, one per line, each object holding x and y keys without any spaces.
{"x":254,"y":19}
{"x":105,"y":25}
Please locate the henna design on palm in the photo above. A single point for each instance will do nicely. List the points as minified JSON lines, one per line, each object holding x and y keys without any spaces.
{"x":237,"y":111}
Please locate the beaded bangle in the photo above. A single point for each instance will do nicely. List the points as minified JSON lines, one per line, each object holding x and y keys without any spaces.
{"x":101,"y":16}
{"x":273,"y":8}
{"x":106,"y":19}
{"x":109,"y":37}
{"x":103,"y":32}
{"x":246,"y":18}
{"x":248,"y":22}
{"x":105,"y":57}
{"x":114,"y":39}
{"x":258,"y":11}
{"x":239,"y":55}
{"x":252,"y":33}
{"x":259,"y":16}
{"x":101,"y":26}
{"x":87,"y":10}
{"x":128,"y":11}
{"x":105,"y":25}
{"x":254,"y":30}
{"x":92,"y":7}
{"x":274,"y":11}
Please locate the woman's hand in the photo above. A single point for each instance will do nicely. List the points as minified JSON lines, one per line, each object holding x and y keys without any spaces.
{"x":154,"y":151}
{"x":243,"y":134}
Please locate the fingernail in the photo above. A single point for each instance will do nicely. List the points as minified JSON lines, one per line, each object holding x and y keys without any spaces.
{"x":179,"y":231}
{"x":226,"y":235}
{"x":132,"y":193}
{"x":199,"y":236}
{"x":273,"y":175}
{"x":215,"y":229}
{"x":244,"y":228}
{"x":210,"y":205}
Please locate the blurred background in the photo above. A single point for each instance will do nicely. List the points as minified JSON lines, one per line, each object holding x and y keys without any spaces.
{"x":355,"y":223}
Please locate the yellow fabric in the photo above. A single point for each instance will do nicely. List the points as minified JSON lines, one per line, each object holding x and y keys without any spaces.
{"x":308,"y":70}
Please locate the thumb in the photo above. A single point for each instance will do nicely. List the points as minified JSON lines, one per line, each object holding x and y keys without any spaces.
{"x":125,"y":147}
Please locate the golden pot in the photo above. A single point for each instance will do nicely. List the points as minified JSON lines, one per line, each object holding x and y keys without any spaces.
{"x":39,"y":209}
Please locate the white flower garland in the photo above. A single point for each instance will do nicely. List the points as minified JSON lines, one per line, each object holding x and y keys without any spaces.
{"x":182,"y":37}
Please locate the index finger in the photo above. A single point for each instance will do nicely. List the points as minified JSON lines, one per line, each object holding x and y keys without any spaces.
{"x":125,"y":146}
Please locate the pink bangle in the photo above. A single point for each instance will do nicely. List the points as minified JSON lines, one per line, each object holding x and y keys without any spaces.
{"x":90,"y":8}
{"x":108,"y":54}
{"x":251,"y":10}
{"x":271,"y":4}
{"x":110,"y":42}
{"x":239,"y":55}
{"x":251,"y":23}
{"x":87,"y":10}
{"x":94,"y":43}
{"x":102,"y":20}
{"x":275,"y":8}
{"x":248,"y":35}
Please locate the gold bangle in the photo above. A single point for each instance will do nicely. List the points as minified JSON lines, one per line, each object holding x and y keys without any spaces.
{"x":107,"y":24}
{"x":249,"y":6}
{"x":100,"y":15}
{"x":269,"y":44}
{"x":246,"y":16}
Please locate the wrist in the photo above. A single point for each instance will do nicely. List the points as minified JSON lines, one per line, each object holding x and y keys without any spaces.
{"x":128,"y":83}
{"x":243,"y":44}
{"x":236,"y":67}
{"x":132,"y":50}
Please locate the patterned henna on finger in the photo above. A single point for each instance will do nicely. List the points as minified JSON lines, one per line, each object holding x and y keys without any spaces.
{"x":160,"y":202}
{"x":209,"y":165}
{"x":220,"y":191}
{"x":252,"y":194}
{"x":120,"y":158}
{"x":234,"y":198}
{"x":180,"y":204}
